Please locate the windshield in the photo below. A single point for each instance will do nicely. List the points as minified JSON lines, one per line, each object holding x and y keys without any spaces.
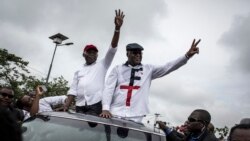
{"x":61,"y":129}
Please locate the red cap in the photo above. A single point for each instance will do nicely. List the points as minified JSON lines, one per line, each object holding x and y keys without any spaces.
{"x":88,"y":47}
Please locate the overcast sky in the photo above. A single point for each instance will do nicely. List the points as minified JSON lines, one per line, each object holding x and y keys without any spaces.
{"x":217,"y":79}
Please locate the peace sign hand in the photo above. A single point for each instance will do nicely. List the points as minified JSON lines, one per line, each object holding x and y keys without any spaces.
{"x":194,"y":49}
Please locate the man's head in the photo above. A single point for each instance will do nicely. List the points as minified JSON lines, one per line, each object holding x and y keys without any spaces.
{"x":134,"y":54}
{"x":90,"y":53}
{"x":210,"y":127}
{"x":198,"y":120}
{"x":25,"y":102}
{"x":240,"y":132}
{"x":6,"y":96}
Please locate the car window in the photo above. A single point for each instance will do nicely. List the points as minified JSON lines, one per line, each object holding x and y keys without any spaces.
{"x":61,"y":129}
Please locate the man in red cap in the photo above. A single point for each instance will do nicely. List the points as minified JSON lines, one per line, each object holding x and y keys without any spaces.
{"x":88,"y":82}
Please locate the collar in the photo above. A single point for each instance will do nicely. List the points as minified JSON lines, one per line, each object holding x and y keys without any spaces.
{"x":128,"y":65}
{"x":197,"y":137}
{"x":85,"y":65}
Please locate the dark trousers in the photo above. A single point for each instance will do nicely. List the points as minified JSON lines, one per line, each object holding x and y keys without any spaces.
{"x":95,"y":109}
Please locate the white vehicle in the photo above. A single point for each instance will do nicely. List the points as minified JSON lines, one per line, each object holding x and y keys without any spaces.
{"x":66,"y":126}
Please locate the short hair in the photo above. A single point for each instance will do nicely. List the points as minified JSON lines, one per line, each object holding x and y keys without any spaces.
{"x":205,"y":115}
{"x":238,"y":126}
{"x":8,"y":88}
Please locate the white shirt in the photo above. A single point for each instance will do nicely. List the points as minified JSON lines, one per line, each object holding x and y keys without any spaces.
{"x":45,"y":104}
{"x":88,"y":82}
{"x":116,"y":97}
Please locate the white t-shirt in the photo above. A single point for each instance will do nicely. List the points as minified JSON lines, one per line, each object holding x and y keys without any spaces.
{"x":88,"y":82}
{"x":126,"y":90}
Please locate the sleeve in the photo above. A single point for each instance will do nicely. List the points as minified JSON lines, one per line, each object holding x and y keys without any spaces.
{"x":26,"y":114}
{"x":109,"y":57}
{"x":74,"y":85}
{"x":159,"y":71}
{"x":54,"y":100}
{"x":109,"y":89}
{"x":45,"y":104}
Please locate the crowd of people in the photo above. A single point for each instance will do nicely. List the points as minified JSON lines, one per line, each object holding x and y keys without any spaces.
{"x":124,"y":94}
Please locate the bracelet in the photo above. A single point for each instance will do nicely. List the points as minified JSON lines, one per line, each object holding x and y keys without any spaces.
{"x":117,"y":30}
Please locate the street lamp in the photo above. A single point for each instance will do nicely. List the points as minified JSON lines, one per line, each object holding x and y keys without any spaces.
{"x":57,"y":39}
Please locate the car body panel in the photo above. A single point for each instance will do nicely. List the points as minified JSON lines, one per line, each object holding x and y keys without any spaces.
{"x":71,"y":126}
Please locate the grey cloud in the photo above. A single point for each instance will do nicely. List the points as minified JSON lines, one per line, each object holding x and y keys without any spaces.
{"x":26,"y":25}
{"x":177,"y":93}
{"x":236,"y":40}
{"x":80,"y":15}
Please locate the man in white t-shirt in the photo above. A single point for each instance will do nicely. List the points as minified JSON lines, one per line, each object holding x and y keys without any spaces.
{"x":126,"y":90}
{"x":32,"y":105}
{"x":88,"y":82}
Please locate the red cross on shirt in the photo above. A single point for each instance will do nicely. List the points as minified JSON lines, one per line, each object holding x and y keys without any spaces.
{"x":129,"y":94}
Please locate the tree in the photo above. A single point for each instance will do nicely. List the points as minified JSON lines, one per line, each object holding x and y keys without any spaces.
{"x":14,"y":74}
{"x":222,"y":132}
{"x":56,"y":87}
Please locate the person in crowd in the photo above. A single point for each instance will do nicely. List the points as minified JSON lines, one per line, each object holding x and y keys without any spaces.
{"x":127,"y":87}
{"x":197,"y":126}
{"x":88,"y":82}
{"x":32,"y":105}
{"x":10,"y":129}
{"x":239,"y":132}
{"x":210,"y":127}
{"x":6,"y":102}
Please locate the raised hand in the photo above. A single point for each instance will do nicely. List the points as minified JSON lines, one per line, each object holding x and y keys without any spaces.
{"x":162,"y":125}
{"x":40,"y":90}
{"x":194,"y":49}
{"x":119,"y":18}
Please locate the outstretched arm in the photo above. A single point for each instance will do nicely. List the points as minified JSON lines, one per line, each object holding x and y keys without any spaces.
{"x":193,"y":49}
{"x":171,"y":66}
{"x":118,"y":23}
{"x":171,"y":134}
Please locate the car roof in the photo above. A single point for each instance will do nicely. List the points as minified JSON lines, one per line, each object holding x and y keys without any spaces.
{"x":118,"y":122}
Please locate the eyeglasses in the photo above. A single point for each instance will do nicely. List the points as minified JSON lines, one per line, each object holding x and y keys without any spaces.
{"x":7,"y":95}
{"x":195,"y":120}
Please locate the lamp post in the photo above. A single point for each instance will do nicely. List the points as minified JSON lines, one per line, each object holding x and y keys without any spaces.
{"x":57,"y":39}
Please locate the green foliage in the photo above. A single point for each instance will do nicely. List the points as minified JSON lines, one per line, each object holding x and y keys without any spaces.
{"x":14,"y":74}
{"x":222,"y":132}
{"x":57,"y":87}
